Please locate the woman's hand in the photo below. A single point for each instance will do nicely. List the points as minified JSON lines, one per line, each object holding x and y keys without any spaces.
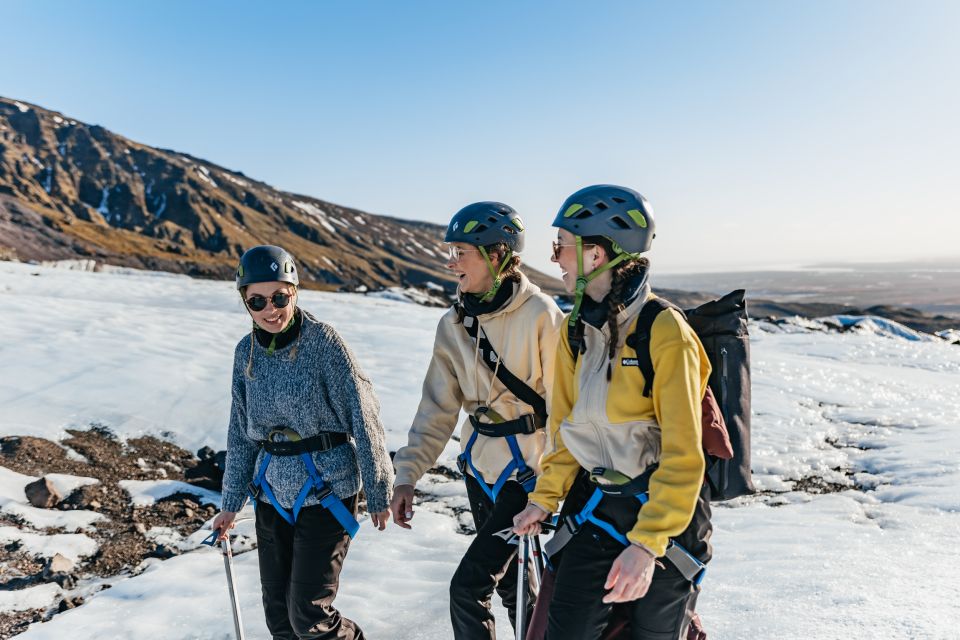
{"x":528,"y":521}
{"x":630,"y":575}
{"x":380,"y":519}
{"x":224,"y":522}
{"x":401,"y":505}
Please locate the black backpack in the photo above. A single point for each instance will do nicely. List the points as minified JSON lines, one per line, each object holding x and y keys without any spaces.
{"x":721,"y":326}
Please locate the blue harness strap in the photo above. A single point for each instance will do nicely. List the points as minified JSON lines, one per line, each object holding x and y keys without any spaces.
{"x":525,"y":475}
{"x":328,"y":499}
{"x":689,"y":565}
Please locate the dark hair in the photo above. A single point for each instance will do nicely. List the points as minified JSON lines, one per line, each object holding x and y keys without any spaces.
{"x":510,"y":273}
{"x":622,"y":274}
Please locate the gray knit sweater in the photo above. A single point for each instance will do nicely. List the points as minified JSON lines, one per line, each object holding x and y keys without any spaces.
{"x":313,"y":384}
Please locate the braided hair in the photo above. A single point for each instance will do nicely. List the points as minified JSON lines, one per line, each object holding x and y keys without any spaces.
{"x":622,"y":274}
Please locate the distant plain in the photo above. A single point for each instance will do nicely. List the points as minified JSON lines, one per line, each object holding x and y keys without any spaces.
{"x":931,"y":287}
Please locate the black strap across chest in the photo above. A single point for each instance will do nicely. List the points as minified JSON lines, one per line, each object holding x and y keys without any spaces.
{"x":515,"y":385}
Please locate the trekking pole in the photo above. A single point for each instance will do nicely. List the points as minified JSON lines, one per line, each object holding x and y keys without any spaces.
{"x":211,"y":540}
{"x":522,"y":578}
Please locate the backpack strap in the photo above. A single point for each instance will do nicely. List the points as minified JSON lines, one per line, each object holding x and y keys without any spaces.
{"x":639,"y":340}
{"x":515,"y":385}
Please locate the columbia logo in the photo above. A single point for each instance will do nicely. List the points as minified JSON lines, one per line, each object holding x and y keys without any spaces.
{"x":629,"y":362}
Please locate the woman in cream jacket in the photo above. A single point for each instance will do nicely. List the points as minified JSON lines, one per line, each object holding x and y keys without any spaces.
{"x":503,"y":328}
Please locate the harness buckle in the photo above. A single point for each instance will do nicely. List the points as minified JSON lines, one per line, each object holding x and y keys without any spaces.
{"x":462,"y":464}
{"x":525,"y":476}
{"x":254,"y":490}
{"x":324,"y":493}
{"x":326,"y":442}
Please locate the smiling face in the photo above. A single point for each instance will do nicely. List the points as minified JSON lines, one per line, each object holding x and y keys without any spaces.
{"x":566,"y":257}
{"x":270,"y":318}
{"x":471,"y":269}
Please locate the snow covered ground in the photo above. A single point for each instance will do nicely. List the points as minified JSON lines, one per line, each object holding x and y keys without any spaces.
{"x":875,"y":416}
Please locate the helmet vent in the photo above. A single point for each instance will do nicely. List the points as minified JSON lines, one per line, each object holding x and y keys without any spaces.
{"x":509,"y":229}
{"x":619,"y":222}
{"x":602,"y":206}
{"x":617,"y":199}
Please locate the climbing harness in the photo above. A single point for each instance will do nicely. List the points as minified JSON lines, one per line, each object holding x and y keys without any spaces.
{"x":303,"y":447}
{"x":498,"y":427}
{"x":689,"y":566}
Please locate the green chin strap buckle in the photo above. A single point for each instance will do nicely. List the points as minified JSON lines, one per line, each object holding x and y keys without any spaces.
{"x":495,"y":274}
{"x":584,"y":280}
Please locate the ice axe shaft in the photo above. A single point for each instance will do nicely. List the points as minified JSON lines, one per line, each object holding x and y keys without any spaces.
{"x":523,"y":546}
{"x":232,"y":587}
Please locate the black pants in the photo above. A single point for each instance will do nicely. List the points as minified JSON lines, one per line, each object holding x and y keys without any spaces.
{"x":488,"y":564}
{"x":577,"y":609}
{"x":300,"y":573}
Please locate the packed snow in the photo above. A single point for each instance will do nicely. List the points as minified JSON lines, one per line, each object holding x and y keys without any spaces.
{"x":874,"y":415}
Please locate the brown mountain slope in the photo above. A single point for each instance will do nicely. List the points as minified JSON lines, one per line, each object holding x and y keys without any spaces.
{"x":72,"y":190}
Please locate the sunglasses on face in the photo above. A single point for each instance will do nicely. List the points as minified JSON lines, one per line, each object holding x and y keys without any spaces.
{"x":259,"y":303}
{"x":455,"y":254}
{"x":558,"y":247}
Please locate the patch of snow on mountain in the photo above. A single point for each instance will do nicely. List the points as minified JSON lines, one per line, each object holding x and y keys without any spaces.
{"x":316,"y":213}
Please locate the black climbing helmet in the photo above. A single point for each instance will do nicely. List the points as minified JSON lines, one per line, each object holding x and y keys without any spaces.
{"x":266,"y":263}
{"x":619,"y":214}
{"x":486,"y":223}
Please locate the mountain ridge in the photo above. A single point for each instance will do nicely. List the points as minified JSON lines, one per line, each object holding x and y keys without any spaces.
{"x":73,"y":190}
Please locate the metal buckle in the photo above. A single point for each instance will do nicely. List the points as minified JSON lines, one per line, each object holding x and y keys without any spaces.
{"x":254,"y":490}
{"x":524,"y":476}
{"x":323,"y":494}
{"x":462,"y":464}
{"x":325,"y":441}
{"x":571,"y":524}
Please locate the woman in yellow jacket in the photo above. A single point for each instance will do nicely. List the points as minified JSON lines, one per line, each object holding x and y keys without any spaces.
{"x":493,"y":359}
{"x":647,"y":523}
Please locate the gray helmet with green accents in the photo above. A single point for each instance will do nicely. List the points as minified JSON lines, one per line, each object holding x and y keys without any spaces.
{"x":266,"y":263}
{"x":619,"y":214}
{"x":486,"y":223}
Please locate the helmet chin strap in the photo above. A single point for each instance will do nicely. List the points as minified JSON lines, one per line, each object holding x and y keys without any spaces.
{"x":494,"y":274}
{"x":584,"y":280}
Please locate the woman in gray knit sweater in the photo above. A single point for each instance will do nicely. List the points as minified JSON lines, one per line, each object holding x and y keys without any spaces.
{"x":304,"y":430}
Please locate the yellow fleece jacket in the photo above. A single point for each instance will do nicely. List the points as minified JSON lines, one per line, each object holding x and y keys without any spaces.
{"x":610,"y":424}
{"x":524,"y":333}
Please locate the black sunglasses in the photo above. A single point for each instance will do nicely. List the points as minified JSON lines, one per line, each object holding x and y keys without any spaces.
{"x":259,"y":303}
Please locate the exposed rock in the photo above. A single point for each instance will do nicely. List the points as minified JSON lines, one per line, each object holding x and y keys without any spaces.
{"x":41,"y":493}
{"x":69,"y":603}
{"x":58,"y":564}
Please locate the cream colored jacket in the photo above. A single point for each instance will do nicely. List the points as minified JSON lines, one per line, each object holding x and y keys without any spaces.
{"x":524,"y":333}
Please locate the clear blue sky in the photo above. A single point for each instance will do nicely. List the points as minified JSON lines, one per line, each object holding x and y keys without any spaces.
{"x":762,"y":132}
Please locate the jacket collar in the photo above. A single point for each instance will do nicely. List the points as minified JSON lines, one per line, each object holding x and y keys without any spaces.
{"x":520,"y":291}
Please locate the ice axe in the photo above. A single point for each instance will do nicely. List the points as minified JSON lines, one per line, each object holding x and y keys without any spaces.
{"x":211,"y":540}
{"x":523,"y":550}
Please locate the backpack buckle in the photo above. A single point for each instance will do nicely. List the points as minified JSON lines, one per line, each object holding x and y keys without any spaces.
{"x":462,"y":464}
